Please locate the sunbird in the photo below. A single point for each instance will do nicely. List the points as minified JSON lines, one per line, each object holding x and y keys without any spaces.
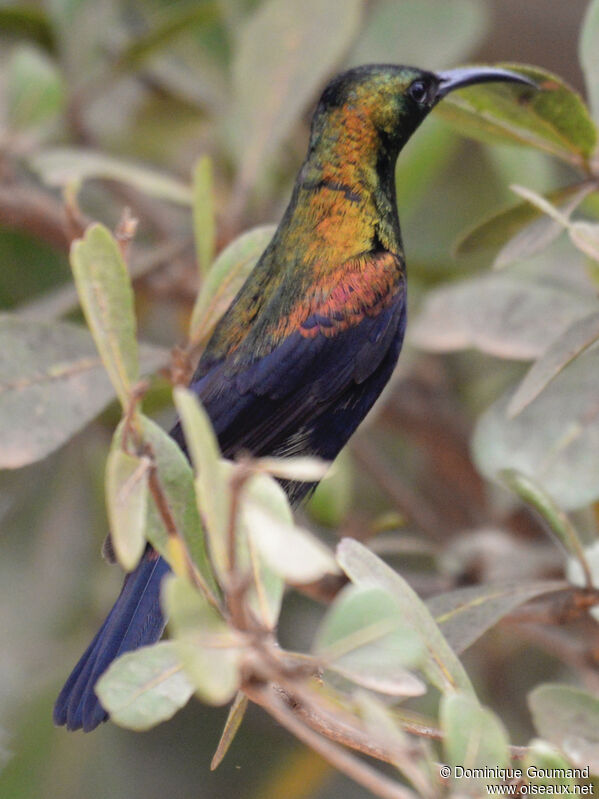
{"x":312,"y":337}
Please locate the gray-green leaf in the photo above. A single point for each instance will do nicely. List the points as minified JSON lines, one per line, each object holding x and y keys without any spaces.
{"x":441,"y":665}
{"x":62,"y":166}
{"x":553,"y":441}
{"x":234,"y":719}
{"x":474,"y":738}
{"x":589,"y":55}
{"x":34,"y":87}
{"x":519,"y":231}
{"x":224,"y":279}
{"x":554,"y":119}
{"x":569,"y":718}
{"x":557,"y":521}
{"x":106,"y":296}
{"x":363,"y":638}
{"x":559,"y":354}
{"x":265,"y":594}
{"x":498,"y":314}
{"x":176,"y":480}
{"x":548,"y":762}
{"x":465,"y":614}
{"x":204,"y":223}
{"x":212,"y":490}
{"x":127,"y":501}
{"x":209,"y":650}
{"x":145,"y":687}
{"x":291,"y":551}
{"x":52,"y":383}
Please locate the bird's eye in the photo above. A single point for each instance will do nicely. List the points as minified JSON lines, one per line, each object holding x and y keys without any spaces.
{"x":418,"y":92}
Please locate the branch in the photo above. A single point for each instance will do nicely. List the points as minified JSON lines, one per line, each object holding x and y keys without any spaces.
{"x":362,"y":773}
{"x":34,"y":212}
{"x":404,"y":499}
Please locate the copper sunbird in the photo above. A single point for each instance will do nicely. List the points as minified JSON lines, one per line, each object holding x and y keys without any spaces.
{"x":313,"y":336}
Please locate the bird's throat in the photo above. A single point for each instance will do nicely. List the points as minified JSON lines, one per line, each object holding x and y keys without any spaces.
{"x":347,"y":208}
{"x":346,"y":189}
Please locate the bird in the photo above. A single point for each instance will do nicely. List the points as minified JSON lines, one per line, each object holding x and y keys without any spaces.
{"x":314,"y":334}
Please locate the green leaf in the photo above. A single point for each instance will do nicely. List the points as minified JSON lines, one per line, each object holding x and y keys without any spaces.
{"x":29,"y":22}
{"x":585,"y":236}
{"x":559,"y":354}
{"x":519,"y":231}
{"x":127,"y":501}
{"x":145,"y":687}
{"x":209,"y":650}
{"x":176,"y":480}
{"x":569,"y":718}
{"x":410,"y":758}
{"x":554,"y":119}
{"x":541,"y":203}
{"x":212,"y":492}
{"x":234,"y":719}
{"x":226,"y":276}
{"x":204,"y":225}
{"x":545,"y":765}
{"x":363,"y":638}
{"x":291,"y":551}
{"x":35,"y":90}
{"x":284,"y":53}
{"x":441,"y":665}
{"x":106,"y":297}
{"x":265,"y":594}
{"x":330,"y":503}
{"x":589,"y":55}
{"x":473,"y":738}
{"x":576,"y":574}
{"x":553,"y":441}
{"x":62,"y":166}
{"x":52,"y":383}
{"x":176,"y":22}
{"x":559,"y":524}
{"x":465,"y":614}
{"x":502,"y":315}
{"x":432,"y":34}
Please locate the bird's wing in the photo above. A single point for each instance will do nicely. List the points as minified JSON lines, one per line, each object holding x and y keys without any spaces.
{"x":308,"y":357}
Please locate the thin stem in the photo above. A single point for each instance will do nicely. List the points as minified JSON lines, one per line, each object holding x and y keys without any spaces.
{"x":362,"y":773}
{"x":125,"y":231}
{"x":131,"y":420}
{"x":402,"y":497}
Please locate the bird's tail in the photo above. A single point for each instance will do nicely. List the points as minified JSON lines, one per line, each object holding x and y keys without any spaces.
{"x":135,"y":620}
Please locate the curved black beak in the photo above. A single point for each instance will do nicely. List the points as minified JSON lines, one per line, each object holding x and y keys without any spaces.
{"x":467,"y":76}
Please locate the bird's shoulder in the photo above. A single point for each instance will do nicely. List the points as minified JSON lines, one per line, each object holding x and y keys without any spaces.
{"x":324,"y":300}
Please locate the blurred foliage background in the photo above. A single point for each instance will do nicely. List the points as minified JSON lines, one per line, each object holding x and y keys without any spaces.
{"x":117,"y":101}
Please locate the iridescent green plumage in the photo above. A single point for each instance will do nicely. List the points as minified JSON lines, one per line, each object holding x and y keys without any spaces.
{"x":343,"y":207}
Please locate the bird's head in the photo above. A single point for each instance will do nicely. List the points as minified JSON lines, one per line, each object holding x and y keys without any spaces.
{"x":383,"y":104}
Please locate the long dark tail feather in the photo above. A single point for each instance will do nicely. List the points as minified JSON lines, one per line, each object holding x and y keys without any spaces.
{"x":135,"y":620}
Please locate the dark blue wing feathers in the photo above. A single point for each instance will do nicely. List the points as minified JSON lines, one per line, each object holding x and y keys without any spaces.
{"x":307,"y":395}
{"x":135,"y":620}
